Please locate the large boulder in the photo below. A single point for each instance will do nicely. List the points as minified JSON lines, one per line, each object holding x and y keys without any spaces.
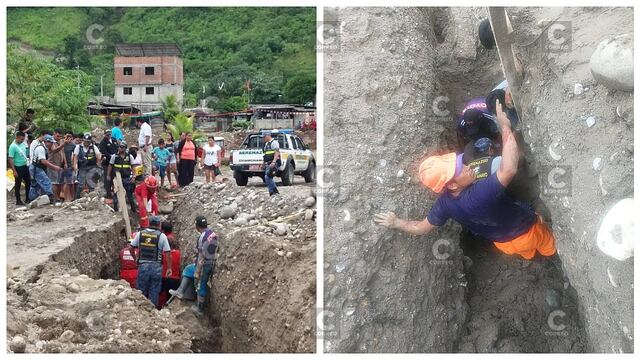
{"x":612,"y":63}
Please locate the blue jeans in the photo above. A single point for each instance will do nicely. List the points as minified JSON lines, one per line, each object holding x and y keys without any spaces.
{"x":150,"y":280}
{"x":83,"y":177}
{"x":40,"y":183}
{"x":207,"y":272}
{"x":271,"y":184}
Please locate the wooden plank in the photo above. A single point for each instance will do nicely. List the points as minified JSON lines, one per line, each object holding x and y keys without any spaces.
{"x":122,"y":201}
{"x":503,"y":35}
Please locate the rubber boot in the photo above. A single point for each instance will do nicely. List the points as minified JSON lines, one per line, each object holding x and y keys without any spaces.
{"x":185,"y":291}
{"x":198,"y":307}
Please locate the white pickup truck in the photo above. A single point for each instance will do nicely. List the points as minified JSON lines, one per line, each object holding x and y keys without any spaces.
{"x":297,"y":158}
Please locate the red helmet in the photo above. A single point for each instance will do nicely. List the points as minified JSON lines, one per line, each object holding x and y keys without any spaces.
{"x":151,"y":182}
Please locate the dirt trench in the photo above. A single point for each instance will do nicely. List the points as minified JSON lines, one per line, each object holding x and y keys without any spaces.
{"x":512,"y":302}
{"x":422,"y":64}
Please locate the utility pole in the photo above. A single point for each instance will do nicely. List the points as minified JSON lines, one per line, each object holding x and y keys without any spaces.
{"x":101,"y":89}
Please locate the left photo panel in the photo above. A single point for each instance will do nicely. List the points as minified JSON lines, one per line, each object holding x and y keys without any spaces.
{"x":161,"y":174}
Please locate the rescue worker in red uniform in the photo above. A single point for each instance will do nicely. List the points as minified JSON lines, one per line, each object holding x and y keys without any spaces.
{"x":170,"y":282}
{"x":128,"y":266}
{"x":145,"y":192}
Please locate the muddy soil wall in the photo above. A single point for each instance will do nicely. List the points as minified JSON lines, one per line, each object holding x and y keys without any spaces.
{"x":386,"y":291}
{"x":565,"y":149}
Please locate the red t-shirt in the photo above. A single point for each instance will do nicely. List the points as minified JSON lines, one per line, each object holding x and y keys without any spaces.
{"x":175,"y":265}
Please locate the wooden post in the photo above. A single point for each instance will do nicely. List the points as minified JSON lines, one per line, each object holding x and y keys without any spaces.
{"x":503,"y":35}
{"x":122,"y":201}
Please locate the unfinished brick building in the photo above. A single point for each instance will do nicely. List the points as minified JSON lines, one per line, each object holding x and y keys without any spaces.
{"x":146,"y":73}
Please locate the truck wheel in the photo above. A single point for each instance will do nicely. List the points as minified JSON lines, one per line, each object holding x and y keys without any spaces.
{"x":287,"y":175}
{"x":310,"y":173}
{"x":241,"y":178}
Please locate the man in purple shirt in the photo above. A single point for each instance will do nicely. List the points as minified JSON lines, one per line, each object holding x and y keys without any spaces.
{"x":481,"y":207}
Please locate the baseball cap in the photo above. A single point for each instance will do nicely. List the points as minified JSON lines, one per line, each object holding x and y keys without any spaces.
{"x":436,"y":171}
{"x":154,"y":220}
{"x":122,"y":144}
{"x":87,"y":136}
{"x":201,"y":221}
{"x":481,"y":145}
{"x":49,"y":138}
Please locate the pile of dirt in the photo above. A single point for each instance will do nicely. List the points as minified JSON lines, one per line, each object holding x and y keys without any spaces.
{"x":64,"y":311}
{"x":263,"y":297}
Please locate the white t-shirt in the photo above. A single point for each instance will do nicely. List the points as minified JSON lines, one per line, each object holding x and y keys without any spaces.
{"x":39,"y":153}
{"x":137,"y":160}
{"x":145,"y":130}
{"x":211,"y":154}
{"x":32,"y":147}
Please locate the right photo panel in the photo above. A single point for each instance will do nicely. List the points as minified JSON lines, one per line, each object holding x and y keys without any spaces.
{"x":478,"y":179}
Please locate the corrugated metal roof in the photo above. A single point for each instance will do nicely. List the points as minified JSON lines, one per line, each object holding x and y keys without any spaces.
{"x":148,"y":49}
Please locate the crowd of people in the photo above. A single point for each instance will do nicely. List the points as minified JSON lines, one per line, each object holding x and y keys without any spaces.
{"x":63,"y":165}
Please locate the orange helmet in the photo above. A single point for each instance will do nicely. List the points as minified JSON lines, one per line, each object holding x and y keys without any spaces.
{"x":436,"y":171}
{"x":151,"y":182}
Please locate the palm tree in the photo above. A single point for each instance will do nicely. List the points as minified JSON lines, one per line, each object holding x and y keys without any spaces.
{"x":184,"y":123}
{"x":170,"y":108}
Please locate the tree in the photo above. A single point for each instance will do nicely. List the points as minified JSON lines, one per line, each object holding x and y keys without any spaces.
{"x":74,"y":53}
{"x":300,"y":89}
{"x":170,"y":107}
{"x":184,"y":123}
{"x":53,"y":92}
{"x":234,"y":103}
{"x":25,"y":78}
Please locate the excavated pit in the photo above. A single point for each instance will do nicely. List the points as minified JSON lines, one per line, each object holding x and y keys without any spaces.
{"x":64,"y":293}
{"x":398,"y":293}
{"x":510,"y":301}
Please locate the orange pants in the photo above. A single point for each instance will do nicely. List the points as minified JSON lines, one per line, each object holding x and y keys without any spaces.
{"x":539,"y":238}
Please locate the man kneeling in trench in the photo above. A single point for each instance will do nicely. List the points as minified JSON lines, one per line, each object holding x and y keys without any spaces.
{"x":481,"y":207}
{"x":196,"y":276}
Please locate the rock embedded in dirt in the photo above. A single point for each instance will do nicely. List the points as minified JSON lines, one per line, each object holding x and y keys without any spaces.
{"x":42,"y":200}
{"x":308,"y":214}
{"x":552,"y":299}
{"x":240,"y":221}
{"x":227,"y":212}
{"x":166,"y":208}
{"x":66,"y":336}
{"x":310,"y":201}
{"x":612,"y":63}
{"x":18,"y":344}
{"x":73,"y":287}
{"x":280,"y":229}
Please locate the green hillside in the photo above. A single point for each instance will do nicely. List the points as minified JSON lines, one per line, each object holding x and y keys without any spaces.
{"x":272,"y":47}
